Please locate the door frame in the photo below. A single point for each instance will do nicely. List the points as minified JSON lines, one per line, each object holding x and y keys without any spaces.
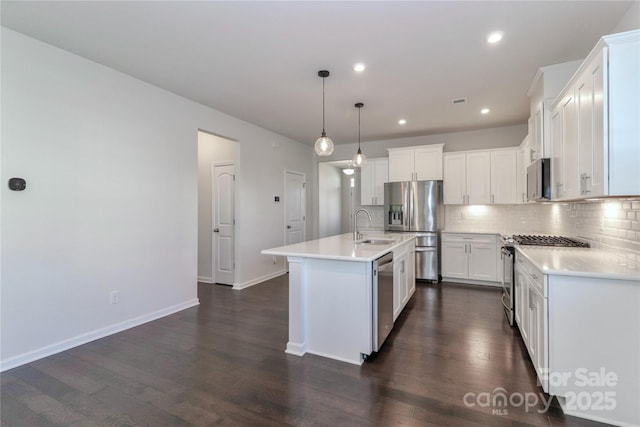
{"x":304,"y":204}
{"x":213,"y":190}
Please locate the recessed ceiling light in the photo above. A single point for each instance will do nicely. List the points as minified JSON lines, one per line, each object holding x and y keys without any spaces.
{"x":485,"y":111}
{"x":402,"y":121}
{"x":359,"y":67}
{"x":495,"y":37}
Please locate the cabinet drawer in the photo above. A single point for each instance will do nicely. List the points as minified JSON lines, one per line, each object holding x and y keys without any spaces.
{"x":534,"y":275}
{"x":469,"y":238}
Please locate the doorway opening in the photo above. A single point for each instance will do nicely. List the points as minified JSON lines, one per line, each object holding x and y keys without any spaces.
{"x":295,"y":199}
{"x":216,"y":208}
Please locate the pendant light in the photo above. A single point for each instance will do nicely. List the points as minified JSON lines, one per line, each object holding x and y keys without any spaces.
{"x":359,"y":159}
{"x":324,"y":145}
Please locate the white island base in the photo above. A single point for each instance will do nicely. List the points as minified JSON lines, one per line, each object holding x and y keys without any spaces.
{"x":331,"y":294}
{"x":330,"y":309}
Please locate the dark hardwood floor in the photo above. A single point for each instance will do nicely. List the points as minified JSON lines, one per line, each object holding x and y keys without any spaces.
{"x":223,"y":363}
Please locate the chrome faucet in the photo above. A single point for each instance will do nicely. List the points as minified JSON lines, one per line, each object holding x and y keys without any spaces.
{"x":356,"y":234}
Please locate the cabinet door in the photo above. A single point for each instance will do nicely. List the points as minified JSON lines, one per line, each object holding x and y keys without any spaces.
{"x":522,"y":303}
{"x":504,"y":176}
{"x":381,"y":175}
{"x":538,"y":335}
{"x":557,"y":146}
{"x":428,"y":163}
{"x":401,"y":165}
{"x":411,"y":273}
{"x":454,"y":260}
{"x":478,"y":179}
{"x":404,"y":289}
{"x":483,"y":260}
{"x":454,"y":183}
{"x":570,"y":149}
{"x":399,"y":285}
{"x":538,"y":132}
{"x":367,"y":186}
{"x":589,"y":96}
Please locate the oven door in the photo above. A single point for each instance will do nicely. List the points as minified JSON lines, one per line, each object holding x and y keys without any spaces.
{"x":507,"y":283}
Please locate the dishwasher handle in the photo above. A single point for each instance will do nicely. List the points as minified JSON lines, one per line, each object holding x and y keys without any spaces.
{"x":384,"y":261}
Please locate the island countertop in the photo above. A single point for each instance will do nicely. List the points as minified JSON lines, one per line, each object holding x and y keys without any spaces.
{"x":342,"y":247}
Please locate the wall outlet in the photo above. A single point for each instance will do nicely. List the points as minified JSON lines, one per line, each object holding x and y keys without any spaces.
{"x":114,"y":297}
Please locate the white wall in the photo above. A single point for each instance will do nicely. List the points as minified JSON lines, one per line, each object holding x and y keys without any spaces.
{"x":111,"y":199}
{"x":630,"y":20}
{"x":330,"y":193}
{"x":211,"y":149}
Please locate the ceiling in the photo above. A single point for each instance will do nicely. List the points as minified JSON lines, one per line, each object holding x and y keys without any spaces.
{"x":258,"y":61}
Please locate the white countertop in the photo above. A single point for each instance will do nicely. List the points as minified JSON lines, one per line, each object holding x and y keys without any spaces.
{"x":342,"y":247}
{"x":582,"y":262}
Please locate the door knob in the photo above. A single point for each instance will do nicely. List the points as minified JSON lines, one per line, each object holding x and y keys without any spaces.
{"x":216,"y":230}
{"x":288,"y":226}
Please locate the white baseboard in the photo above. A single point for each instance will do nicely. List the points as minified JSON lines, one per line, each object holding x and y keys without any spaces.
{"x":205,"y":279}
{"x":244,"y":285}
{"x":78,"y":340}
{"x":471,"y":282}
{"x":296,"y":349}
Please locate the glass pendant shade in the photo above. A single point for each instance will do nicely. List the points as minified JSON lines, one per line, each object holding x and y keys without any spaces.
{"x":324,"y":145}
{"x":359,"y":159}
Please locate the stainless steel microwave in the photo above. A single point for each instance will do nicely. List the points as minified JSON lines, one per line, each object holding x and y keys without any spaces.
{"x":539,"y":180}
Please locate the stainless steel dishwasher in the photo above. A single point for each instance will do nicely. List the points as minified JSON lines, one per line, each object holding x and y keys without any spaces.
{"x":382,"y":299}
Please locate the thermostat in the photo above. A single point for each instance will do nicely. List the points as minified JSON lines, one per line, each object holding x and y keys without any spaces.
{"x":17,"y":184}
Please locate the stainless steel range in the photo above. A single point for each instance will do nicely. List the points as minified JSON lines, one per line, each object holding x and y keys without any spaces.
{"x":507,"y":253}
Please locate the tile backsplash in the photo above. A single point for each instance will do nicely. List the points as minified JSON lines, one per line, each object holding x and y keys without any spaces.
{"x":612,"y":224}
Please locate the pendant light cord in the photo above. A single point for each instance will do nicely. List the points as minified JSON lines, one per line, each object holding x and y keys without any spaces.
{"x":359,"y":129}
{"x":323,"y":132}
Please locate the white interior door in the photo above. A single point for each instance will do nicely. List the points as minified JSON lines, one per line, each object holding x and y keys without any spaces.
{"x":223,"y":221}
{"x":294,"y":207}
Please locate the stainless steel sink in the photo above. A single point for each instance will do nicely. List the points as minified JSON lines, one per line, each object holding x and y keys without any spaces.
{"x":375,"y":242}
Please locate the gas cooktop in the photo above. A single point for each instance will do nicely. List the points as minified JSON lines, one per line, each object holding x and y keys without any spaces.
{"x":560,"y":241}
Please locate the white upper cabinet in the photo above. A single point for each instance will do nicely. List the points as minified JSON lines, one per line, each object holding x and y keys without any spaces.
{"x":478,"y":178}
{"x":467,"y":178}
{"x":421,"y":163}
{"x":481,"y":177}
{"x":596,"y":124}
{"x":523,"y":161}
{"x":504,"y":176}
{"x":589,"y":97}
{"x":455,"y":179}
{"x":544,"y":88}
{"x":372,"y":178}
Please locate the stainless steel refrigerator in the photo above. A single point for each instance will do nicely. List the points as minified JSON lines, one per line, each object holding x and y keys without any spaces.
{"x":416,"y":206}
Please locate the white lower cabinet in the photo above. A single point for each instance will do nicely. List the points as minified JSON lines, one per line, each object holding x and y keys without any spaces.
{"x":404,"y":277}
{"x":532,"y":314}
{"x":470,"y":256}
{"x":582,"y":334}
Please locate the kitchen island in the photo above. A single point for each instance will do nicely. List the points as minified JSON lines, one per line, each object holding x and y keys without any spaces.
{"x":330,"y":292}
